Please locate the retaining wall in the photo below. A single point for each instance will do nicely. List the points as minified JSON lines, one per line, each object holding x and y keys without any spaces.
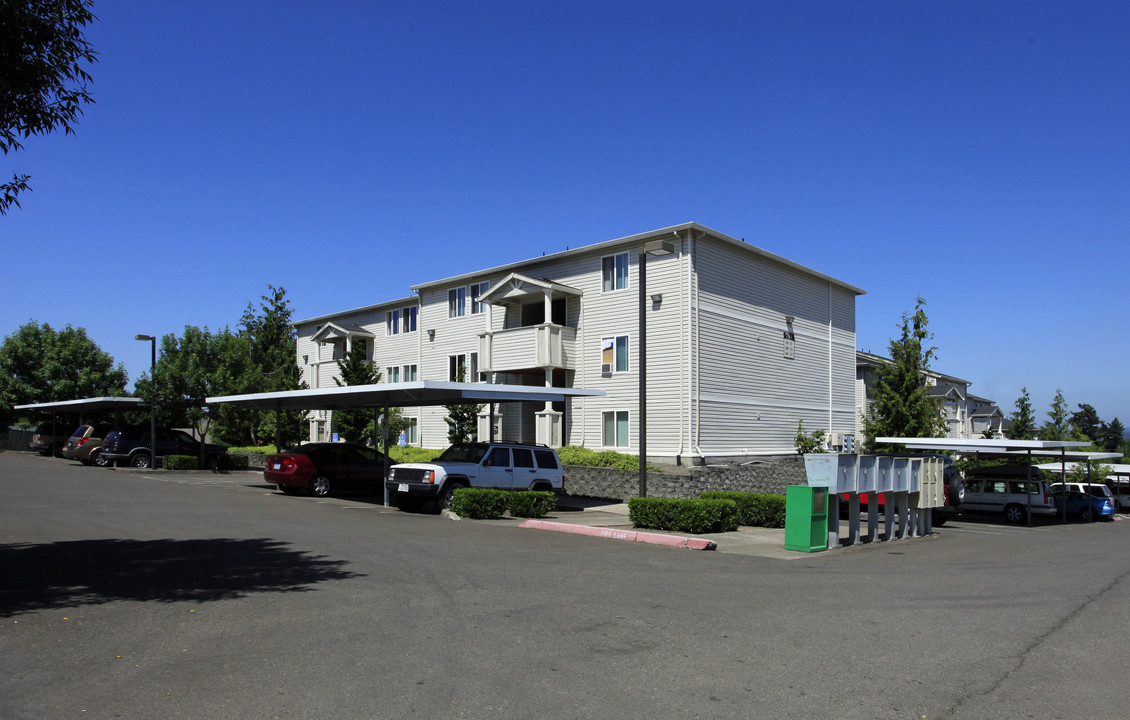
{"x":612,"y":484}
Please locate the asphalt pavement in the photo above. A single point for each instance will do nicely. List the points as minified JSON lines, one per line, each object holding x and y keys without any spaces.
{"x":194,"y":596}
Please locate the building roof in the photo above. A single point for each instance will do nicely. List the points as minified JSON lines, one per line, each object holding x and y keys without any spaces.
{"x":404,"y":394}
{"x":639,"y":239}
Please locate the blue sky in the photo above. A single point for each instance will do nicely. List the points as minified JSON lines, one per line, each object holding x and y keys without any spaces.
{"x":973,"y":153}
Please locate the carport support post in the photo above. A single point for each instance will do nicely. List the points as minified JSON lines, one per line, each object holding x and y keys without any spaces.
{"x":384,"y":436}
{"x":1029,"y":488}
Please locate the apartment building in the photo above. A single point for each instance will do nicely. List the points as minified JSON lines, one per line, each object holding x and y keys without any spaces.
{"x":741,"y":345}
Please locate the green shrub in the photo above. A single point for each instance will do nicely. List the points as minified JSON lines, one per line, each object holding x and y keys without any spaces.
{"x":253,"y":450}
{"x":575,"y":455}
{"x":531,"y":503}
{"x":180,"y":462}
{"x":693,"y":516}
{"x":232,"y":462}
{"x":759,"y":510}
{"x":479,"y":503}
{"x":754,"y":509}
{"x":412,"y":454}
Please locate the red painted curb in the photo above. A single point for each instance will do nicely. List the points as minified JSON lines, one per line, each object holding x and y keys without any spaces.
{"x":629,"y":535}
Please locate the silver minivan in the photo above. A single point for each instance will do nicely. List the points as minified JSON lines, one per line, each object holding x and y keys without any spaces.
{"x":1007,"y":491}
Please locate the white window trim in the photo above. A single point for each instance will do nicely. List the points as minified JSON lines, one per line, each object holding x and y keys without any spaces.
{"x":627,"y":272}
{"x":627,"y":353}
{"x":477,"y":290}
{"x":456,"y":305}
{"x":615,"y":424}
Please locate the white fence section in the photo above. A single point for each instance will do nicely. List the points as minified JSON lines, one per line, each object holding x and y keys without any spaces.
{"x":905,"y":488}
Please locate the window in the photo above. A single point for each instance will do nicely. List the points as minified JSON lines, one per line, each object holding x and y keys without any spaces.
{"x":401,"y":320}
{"x":523,"y":457}
{"x":477,"y":291}
{"x":547,"y":459}
{"x":464,"y":368}
{"x":614,"y":354}
{"x":614,"y":272}
{"x":409,"y":373}
{"x":457,"y":302}
{"x":615,"y":428}
{"x":410,"y":432}
{"x":457,"y":368}
{"x":499,"y":457}
{"x":392,"y":374}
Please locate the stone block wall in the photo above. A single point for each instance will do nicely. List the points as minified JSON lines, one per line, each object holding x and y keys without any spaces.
{"x":612,"y":484}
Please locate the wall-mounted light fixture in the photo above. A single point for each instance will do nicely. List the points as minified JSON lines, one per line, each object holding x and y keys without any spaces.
{"x":305,"y":359}
{"x":789,"y":319}
{"x":432,"y":334}
{"x":657,"y":298}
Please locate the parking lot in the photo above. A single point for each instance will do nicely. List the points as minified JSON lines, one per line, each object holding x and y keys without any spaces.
{"x":140,"y":595}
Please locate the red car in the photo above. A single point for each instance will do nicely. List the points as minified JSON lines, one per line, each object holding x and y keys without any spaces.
{"x":325,"y":468}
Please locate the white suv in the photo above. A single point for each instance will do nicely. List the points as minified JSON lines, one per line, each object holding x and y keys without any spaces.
{"x":1013,"y":498}
{"x":504,"y":466}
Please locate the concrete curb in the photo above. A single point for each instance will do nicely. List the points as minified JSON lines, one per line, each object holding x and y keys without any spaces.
{"x":629,"y":535}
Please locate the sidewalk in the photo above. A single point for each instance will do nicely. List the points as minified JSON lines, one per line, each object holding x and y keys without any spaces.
{"x":611,"y":515}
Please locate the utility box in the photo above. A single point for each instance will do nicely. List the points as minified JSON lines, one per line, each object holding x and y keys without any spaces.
{"x":806,"y":518}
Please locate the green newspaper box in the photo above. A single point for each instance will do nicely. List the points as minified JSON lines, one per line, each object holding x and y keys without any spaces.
{"x":806,"y":518}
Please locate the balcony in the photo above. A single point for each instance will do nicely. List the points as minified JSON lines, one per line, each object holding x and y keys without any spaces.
{"x":546,"y":347}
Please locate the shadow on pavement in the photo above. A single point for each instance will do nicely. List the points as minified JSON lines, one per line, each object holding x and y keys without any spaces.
{"x":65,"y":574}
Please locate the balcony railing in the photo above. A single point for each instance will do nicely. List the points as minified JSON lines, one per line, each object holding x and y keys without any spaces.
{"x":526,"y":348}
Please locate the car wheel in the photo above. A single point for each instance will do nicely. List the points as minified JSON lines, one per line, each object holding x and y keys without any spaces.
{"x":1015,"y":514}
{"x":320,"y":486}
{"x":140,"y":460}
{"x":98,"y":460}
{"x":448,"y":495}
{"x":1088,"y":514}
{"x":957,"y":491}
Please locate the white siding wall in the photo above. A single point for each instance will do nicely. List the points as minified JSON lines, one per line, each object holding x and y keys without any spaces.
{"x":751,"y":395}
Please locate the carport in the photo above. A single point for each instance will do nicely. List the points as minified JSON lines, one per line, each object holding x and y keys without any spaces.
{"x":417,"y":393}
{"x":85,"y":405}
{"x":1120,"y":472}
{"x":998,"y":448}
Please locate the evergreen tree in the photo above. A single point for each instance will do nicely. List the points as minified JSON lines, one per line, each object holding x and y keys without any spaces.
{"x":1087,"y":422}
{"x":1113,"y":436}
{"x":1023,"y":422}
{"x":901,"y":407}
{"x":462,"y":420}
{"x":271,"y":346}
{"x":356,"y":369}
{"x":1058,"y":426}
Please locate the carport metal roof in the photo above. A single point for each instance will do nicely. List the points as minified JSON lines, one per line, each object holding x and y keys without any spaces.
{"x":87,"y":404}
{"x":981,"y":445}
{"x":403,"y":394}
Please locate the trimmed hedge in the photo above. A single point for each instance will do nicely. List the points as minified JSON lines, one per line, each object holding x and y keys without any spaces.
{"x":232,"y":462}
{"x":693,"y":516}
{"x":485,"y":503}
{"x":754,"y":509}
{"x":180,"y":462}
{"x":531,"y":503}
{"x":479,"y":503}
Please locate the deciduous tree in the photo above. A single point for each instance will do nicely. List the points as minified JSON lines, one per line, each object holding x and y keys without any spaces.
{"x":43,"y":77}
{"x":39,"y":364}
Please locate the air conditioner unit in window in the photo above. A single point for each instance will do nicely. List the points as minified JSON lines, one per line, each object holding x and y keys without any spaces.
{"x":606,"y":368}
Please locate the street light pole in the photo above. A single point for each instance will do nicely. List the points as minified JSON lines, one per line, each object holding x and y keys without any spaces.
{"x":152,"y":399}
{"x":654,"y":247}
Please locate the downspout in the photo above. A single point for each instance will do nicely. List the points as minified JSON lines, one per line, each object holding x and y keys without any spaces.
{"x":692,"y":334}
{"x":831,"y":394}
{"x":684,"y":372}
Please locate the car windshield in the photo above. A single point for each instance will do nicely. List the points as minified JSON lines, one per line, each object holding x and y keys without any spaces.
{"x":470,"y":453}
